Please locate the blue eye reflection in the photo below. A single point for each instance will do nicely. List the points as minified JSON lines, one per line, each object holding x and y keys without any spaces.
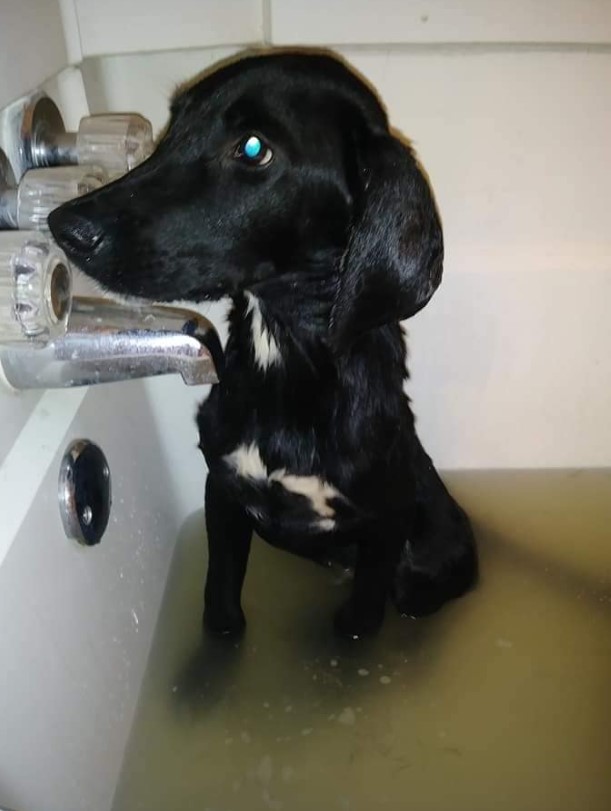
{"x":253,"y":152}
{"x":253,"y":147}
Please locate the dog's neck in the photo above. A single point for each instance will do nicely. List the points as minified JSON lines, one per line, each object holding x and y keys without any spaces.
{"x":280,"y":330}
{"x":285,"y":317}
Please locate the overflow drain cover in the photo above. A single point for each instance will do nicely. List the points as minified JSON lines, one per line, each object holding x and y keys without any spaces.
{"x":84,"y":492}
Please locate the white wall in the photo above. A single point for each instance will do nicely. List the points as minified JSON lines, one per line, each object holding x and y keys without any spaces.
{"x":32,"y":45}
{"x":434,"y":21}
{"x":149,"y":25}
{"x":510,"y":361}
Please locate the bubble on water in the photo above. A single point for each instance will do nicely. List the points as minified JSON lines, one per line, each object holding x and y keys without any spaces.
{"x":362,"y":671}
{"x":385,"y":680}
{"x":347,"y":716}
{"x":265,"y":769}
{"x":504,"y":643}
{"x":270,"y":802}
{"x":287,"y":774}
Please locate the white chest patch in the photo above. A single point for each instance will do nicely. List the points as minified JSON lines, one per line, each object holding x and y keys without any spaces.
{"x":264,"y":345}
{"x":246,"y":461}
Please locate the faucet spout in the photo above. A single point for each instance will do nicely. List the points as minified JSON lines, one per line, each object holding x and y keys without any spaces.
{"x":106,"y":342}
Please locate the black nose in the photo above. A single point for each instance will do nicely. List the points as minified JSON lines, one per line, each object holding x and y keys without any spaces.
{"x":76,"y":234}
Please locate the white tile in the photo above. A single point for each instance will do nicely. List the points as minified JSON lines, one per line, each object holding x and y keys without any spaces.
{"x":116,"y":26}
{"x":517,"y":149}
{"x":32,"y":45}
{"x":425,"y":21}
{"x":513,"y":370}
{"x":144,"y":82}
{"x":71,"y":30}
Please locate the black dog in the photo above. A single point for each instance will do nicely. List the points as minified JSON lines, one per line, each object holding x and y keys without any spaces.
{"x":279,"y":184}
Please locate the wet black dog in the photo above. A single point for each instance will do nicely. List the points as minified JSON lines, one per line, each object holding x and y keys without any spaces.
{"x":279,"y":184}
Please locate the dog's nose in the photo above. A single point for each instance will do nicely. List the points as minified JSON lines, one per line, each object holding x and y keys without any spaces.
{"x":75,"y":233}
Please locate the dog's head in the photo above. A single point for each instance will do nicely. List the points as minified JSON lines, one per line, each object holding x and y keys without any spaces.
{"x":274,"y":166}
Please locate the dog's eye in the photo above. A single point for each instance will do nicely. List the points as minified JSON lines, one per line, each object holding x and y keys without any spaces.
{"x":253,"y":151}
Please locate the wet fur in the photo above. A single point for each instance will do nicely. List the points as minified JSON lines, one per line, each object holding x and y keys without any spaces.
{"x":309,"y":436}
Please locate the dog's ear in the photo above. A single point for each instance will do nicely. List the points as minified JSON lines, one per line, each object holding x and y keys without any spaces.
{"x":394,"y":258}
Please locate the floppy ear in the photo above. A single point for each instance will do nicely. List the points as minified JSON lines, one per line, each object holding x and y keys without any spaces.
{"x":393,"y":262}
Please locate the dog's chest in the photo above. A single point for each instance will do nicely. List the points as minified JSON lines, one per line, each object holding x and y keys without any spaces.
{"x":277,"y":496}
{"x":271,"y":432}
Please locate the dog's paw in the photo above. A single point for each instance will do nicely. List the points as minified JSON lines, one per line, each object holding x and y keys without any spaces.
{"x":351,"y":623}
{"x":418,"y":594}
{"x":420,"y":602}
{"x":225,"y":625}
{"x":421,"y":595}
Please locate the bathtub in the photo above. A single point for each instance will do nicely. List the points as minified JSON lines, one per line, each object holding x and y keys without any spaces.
{"x":77,"y":622}
{"x":112,"y":699}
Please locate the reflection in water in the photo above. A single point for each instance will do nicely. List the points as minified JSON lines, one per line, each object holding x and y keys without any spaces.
{"x":499,"y":701}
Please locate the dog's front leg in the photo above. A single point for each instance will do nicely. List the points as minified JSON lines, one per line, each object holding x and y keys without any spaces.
{"x":229,"y":534}
{"x":363,"y":613}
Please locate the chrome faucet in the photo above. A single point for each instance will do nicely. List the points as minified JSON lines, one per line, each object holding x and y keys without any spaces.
{"x":51,"y":339}
{"x":107,"y":342}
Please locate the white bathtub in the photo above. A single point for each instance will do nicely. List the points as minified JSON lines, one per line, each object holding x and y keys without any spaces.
{"x":77,"y":622}
{"x":499,"y":700}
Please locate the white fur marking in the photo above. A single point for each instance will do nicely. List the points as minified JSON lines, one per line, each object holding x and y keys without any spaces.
{"x":264,"y":345}
{"x":317,"y":490}
{"x":246,"y":461}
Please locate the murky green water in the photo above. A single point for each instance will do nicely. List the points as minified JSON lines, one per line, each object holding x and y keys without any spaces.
{"x":501,"y":701}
